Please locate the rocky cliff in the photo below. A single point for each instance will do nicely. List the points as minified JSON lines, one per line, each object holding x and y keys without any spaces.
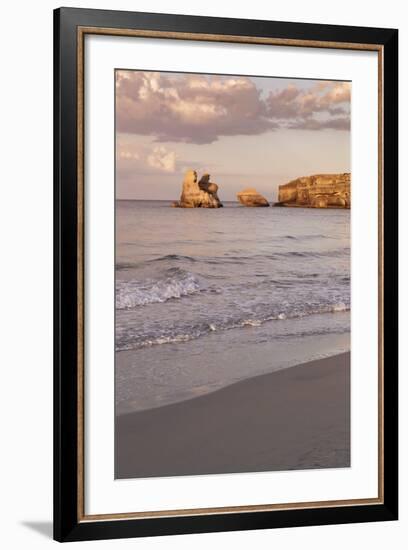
{"x":198,"y":194}
{"x":318,"y":191}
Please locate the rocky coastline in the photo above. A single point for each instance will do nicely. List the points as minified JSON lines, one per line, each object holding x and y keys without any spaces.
{"x":316,"y":191}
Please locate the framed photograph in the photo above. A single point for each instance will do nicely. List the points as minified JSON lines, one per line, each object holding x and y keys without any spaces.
{"x":225,"y":274}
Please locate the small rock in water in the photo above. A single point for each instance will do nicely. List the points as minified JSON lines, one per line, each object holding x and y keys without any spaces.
{"x":251,"y":197}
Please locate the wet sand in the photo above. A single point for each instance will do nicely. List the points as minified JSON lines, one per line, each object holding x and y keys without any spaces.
{"x":296,"y":418}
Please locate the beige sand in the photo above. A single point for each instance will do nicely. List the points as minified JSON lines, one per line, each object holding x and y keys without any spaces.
{"x":297,"y":418}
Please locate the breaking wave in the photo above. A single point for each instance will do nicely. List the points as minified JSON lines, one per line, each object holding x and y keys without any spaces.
{"x":128,"y":339}
{"x":171,"y":284}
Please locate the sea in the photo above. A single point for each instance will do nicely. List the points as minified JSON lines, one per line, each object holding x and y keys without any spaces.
{"x":208,"y":297}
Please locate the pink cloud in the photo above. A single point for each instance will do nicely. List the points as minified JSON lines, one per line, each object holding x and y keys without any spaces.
{"x":338,"y":123}
{"x":200,"y":108}
{"x":332,"y":98}
{"x":189,"y":108}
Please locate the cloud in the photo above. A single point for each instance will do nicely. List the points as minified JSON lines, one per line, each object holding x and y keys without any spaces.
{"x":162,"y":159}
{"x":188,"y":108}
{"x":339,"y":123}
{"x":157,"y":159}
{"x":128,"y":155}
{"x":297,"y":108}
{"x":200,"y":108}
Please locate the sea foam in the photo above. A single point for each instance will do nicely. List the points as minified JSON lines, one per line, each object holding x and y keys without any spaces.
{"x":171,"y":284}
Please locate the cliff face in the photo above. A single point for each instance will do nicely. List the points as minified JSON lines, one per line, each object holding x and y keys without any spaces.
{"x":318,"y":191}
{"x":198,"y":194}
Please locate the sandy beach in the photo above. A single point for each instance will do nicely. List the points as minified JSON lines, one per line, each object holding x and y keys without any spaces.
{"x":296,"y":418}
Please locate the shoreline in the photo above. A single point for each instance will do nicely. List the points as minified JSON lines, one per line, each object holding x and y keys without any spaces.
{"x":294,"y":418}
{"x":161,"y":375}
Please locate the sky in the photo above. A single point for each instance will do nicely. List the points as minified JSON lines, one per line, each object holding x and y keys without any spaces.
{"x":245,"y":131}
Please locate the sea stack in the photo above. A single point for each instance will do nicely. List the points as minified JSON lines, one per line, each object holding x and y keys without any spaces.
{"x":318,"y":191}
{"x":198,"y":194}
{"x":251,"y":197}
